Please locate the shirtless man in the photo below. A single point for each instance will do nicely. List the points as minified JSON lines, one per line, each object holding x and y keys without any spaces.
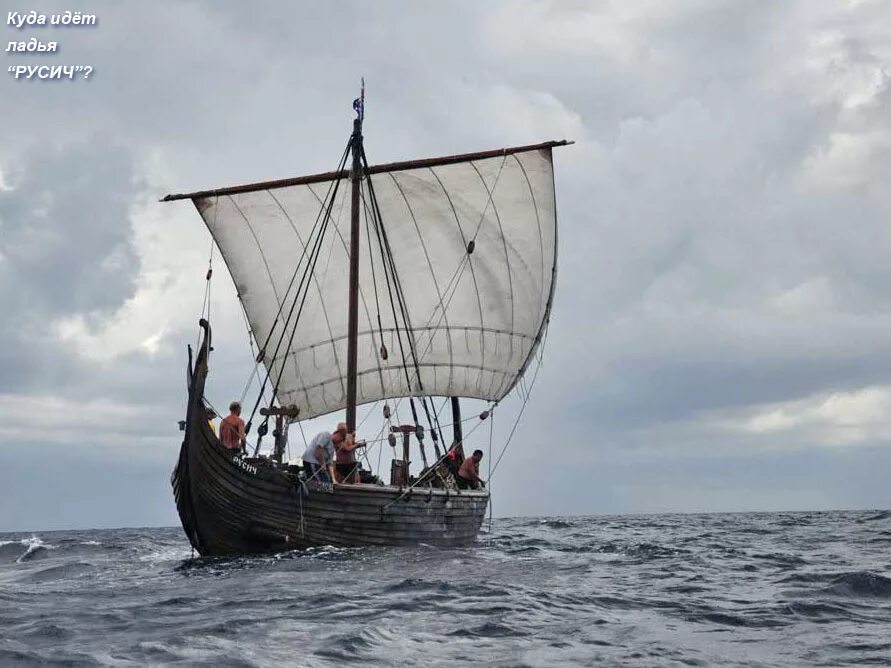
{"x":469,"y":474}
{"x":232,"y":428}
{"x":347,"y":468}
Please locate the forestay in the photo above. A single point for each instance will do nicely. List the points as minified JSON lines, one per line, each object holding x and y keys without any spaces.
{"x":476,"y":317}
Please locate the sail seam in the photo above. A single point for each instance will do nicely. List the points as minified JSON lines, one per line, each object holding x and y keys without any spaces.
{"x":466,"y":254}
{"x":510,"y":282}
{"x":538,"y":226}
{"x":278,"y":301}
{"x":459,"y":270}
{"x":542,"y":330}
{"x":314,"y":277}
{"x":423,"y":365}
{"x":392,"y":330}
{"x":370,"y":243}
{"x":429,"y":265}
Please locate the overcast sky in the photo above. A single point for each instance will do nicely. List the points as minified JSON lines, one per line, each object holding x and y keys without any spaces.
{"x":721,"y":337}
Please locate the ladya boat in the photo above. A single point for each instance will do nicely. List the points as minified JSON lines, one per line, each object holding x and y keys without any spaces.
{"x":447,"y":294}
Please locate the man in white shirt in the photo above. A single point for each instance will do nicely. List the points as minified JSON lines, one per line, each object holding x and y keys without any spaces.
{"x":319,"y":456}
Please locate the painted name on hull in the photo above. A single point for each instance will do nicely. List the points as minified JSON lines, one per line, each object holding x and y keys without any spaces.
{"x":243,"y":465}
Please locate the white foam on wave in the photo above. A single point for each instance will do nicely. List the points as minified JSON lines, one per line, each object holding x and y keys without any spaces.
{"x":33,"y":544}
{"x":169,"y":554}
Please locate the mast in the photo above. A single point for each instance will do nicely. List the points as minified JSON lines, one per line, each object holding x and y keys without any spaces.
{"x":458,"y":435}
{"x":353,"y":306}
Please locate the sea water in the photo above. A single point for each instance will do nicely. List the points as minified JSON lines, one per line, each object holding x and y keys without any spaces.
{"x":776,"y":589}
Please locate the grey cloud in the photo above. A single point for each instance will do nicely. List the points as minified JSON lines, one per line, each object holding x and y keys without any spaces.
{"x":66,"y":244}
{"x":63,"y":252}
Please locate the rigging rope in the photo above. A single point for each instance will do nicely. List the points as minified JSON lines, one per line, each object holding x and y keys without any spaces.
{"x":540,"y":358}
{"x":254,"y":373}
{"x":205,"y":302}
{"x":304,"y":282}
{"x":489,"y":477}
{"x":390,"y":264}
{"x":261,"y":355}
{"x":332,"y":185}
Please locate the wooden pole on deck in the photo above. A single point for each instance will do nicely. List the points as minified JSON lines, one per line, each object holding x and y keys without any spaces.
{"x":456,"y":426}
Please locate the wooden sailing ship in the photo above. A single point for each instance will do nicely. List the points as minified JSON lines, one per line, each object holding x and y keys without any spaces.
{"x":451,"y":298}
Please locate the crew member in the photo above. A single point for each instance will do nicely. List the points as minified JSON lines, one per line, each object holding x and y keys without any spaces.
{"x":319,"y":455}
{"x":232,"y":428}
{"x":469,"y":474}
{"x":454,"y":459}
{"x":347,"y":468}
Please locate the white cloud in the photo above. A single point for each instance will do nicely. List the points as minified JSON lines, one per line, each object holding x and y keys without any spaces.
{"x":33,"y":420}
{"x":835,"y":420}
{"x":172,"y":248}
{"x":849,"y":76}
{"x":522,"y":29}
{"x":847,"y":160}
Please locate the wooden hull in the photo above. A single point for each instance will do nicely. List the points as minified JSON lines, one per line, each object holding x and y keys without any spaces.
{"x":229,"y":505}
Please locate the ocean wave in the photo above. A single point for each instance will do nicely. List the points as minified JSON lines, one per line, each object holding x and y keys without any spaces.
{"x":52,"y":632}
{"x":489,"y":630}
{"x":678,"y":590}
{"x":781,"y":559}
{"x":65,"y":571}
{"x":167,"y":554}
{"x":419,"y":584}
{"x":357,"y":643}
{"x":724,"y":618}
{"x":34,"y":548}
{"x":860,"y":584}
{"x":817,"y":611}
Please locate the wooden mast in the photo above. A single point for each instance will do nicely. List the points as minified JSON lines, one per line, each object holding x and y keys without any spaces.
{"x":457,"y":431}
{"x":353,"y":312}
